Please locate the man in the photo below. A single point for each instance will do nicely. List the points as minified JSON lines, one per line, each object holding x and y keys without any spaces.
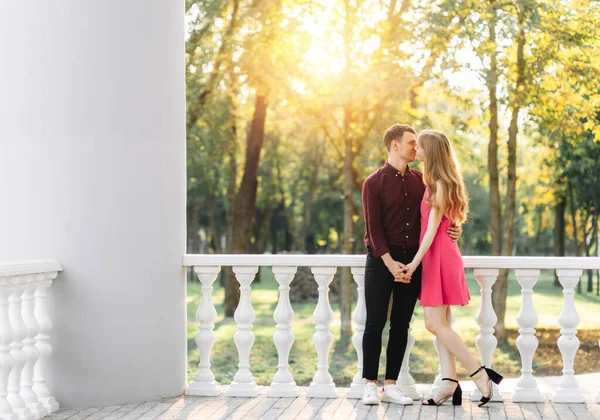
{"x":391,"y":204}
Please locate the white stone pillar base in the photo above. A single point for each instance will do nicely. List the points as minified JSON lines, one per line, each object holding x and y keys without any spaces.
{"x":357,"y":388}
{"x":243,"y":389}
{"x":203,"y":389}
{"x":24,"y":413}
{"x":50,"y":404}
{"x":38,"y":410}
{"x":11,"y":416}
{"x":527,"y":395}
{"x":283,"y":390}
{"x":321,"y":391}
{"x":497,"y":397}
{"x":569,"y":396}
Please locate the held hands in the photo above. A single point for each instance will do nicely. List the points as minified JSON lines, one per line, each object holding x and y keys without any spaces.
{"x":455,"y":232}
{"x":397,"y":269}
{"x":407,"y":273}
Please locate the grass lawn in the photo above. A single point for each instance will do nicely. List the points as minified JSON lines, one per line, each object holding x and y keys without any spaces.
{"x":303,"y":357}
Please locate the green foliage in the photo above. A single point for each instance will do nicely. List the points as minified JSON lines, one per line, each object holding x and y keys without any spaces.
{"x":339,"y":72}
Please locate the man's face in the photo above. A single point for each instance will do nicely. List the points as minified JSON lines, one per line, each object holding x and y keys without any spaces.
{"x":406,"y":147}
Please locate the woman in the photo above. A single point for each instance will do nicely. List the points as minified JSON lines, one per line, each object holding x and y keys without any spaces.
{"x":445,"y":203}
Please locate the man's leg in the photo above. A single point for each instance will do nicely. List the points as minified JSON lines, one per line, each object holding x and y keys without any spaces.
{"x":378,"y":288}
{"x":403,"y":306}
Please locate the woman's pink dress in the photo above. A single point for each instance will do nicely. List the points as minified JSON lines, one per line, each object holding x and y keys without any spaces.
{"x":443,"y":280}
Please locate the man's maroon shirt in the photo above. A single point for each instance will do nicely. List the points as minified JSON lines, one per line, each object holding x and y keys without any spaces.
{"x":391,"y":205}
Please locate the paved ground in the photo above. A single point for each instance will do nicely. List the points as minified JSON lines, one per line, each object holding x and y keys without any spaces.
{"x":341,"y":408}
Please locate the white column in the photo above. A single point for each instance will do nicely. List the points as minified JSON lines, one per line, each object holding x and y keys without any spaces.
{"x":243,"y":384}
{"x":486,"y":319}
{"x":204,"y":383}
{"x":33,"y":329}
{"x":15,"y":315}
{"x":322,"y":385}
{"x":92,"y":122}
{"x":6,"y":360}
{"x":568,"y":390}
{"x":283,"y":384}
{"x":597,"y":398}
{"x":359,"y":316}
{"x":42,"y":344}
{"x":405,"y":380}
{"x":527,"y":388}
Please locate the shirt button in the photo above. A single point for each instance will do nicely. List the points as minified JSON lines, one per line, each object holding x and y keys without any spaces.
{"x":407,"y":224}
{"x":407,"y":208}
{"x":407,"y":237}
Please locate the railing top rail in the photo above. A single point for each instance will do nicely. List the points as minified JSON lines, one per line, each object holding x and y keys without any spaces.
{"x":19,"y":268}
{"x":339,"y":260}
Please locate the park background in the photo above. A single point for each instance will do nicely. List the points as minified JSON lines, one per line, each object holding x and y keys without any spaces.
{"x":287,"y":103}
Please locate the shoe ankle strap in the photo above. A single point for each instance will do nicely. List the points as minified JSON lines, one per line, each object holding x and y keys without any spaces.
{"x":477,"y":371}
{"x":449,"y":379}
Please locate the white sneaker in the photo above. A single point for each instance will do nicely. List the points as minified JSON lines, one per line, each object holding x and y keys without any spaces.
{"x":392,"y":394}
{"x":371,"y":394}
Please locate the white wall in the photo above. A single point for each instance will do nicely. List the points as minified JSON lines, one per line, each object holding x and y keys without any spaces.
{"x":92,"y":173}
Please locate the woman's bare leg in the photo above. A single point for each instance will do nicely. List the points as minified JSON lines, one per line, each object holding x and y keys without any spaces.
{"x":436,"y":321}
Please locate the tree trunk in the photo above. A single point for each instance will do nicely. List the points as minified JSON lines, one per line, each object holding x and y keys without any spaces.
{"x":573,"y":211}
{"x":245,"y":200}
{"x":559,"y":232}
{"x":500,"y":288}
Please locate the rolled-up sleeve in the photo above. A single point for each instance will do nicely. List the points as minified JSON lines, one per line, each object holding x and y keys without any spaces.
{"x":371,"y":202}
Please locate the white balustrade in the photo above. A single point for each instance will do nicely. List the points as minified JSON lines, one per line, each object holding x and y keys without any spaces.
{"x":359,"y":316}
{"x":6,"y":359}
{"x":243,"y":384}
{"x":597,"y":398}
{"x":322,"y":385}
{"x":405,"y":380}
{"x":568,"y":389}
{"x":486,"y":318}
{"x":204,"y":383}
{"x":527,"y":388}
{"x":283,"y":384}
{"x":42,"y":343}
{"x":15,"y":315}
{"x":323,"y":267}
{"x":33,"y":328}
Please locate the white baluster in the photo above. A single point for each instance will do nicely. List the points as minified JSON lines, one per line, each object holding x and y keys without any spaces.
{"x":6,"y":360}
{"x":204,"y":383}
{"x":283,"y":384}
{"x":438,"y":379}
{"x":568,"y":389}
{"x":405,"y":380}
{"x":15,"y":315}
{"x":527,"y":388}
{"x":42,"y":343}
{"x":243,"y":384}
{"x":322,"y":385}
{"x":597,"y":398}
{"x":486,"y":319}
{"x":359,"y":316}
{"x":28,"y":306}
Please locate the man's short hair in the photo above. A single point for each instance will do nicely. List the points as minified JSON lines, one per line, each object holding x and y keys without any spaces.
{"x":395,"y":132}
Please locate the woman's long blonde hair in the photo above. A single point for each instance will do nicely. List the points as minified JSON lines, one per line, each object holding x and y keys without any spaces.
{"x":441,"y":165}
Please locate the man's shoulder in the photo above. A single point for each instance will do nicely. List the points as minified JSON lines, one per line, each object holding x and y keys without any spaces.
{"x":374,"y":179}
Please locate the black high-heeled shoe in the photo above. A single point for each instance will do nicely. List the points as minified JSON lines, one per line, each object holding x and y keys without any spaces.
{"x":456,"y":396}
{"x":494,"y":377}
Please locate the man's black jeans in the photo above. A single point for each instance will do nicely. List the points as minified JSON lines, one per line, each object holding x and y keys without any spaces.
{"x":379,"y":286}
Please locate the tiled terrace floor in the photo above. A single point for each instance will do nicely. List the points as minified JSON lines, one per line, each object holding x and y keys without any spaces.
{"x":221,"y":407}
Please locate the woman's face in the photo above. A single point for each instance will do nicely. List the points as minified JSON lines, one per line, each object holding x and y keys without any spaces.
{"x":420,"y":152}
